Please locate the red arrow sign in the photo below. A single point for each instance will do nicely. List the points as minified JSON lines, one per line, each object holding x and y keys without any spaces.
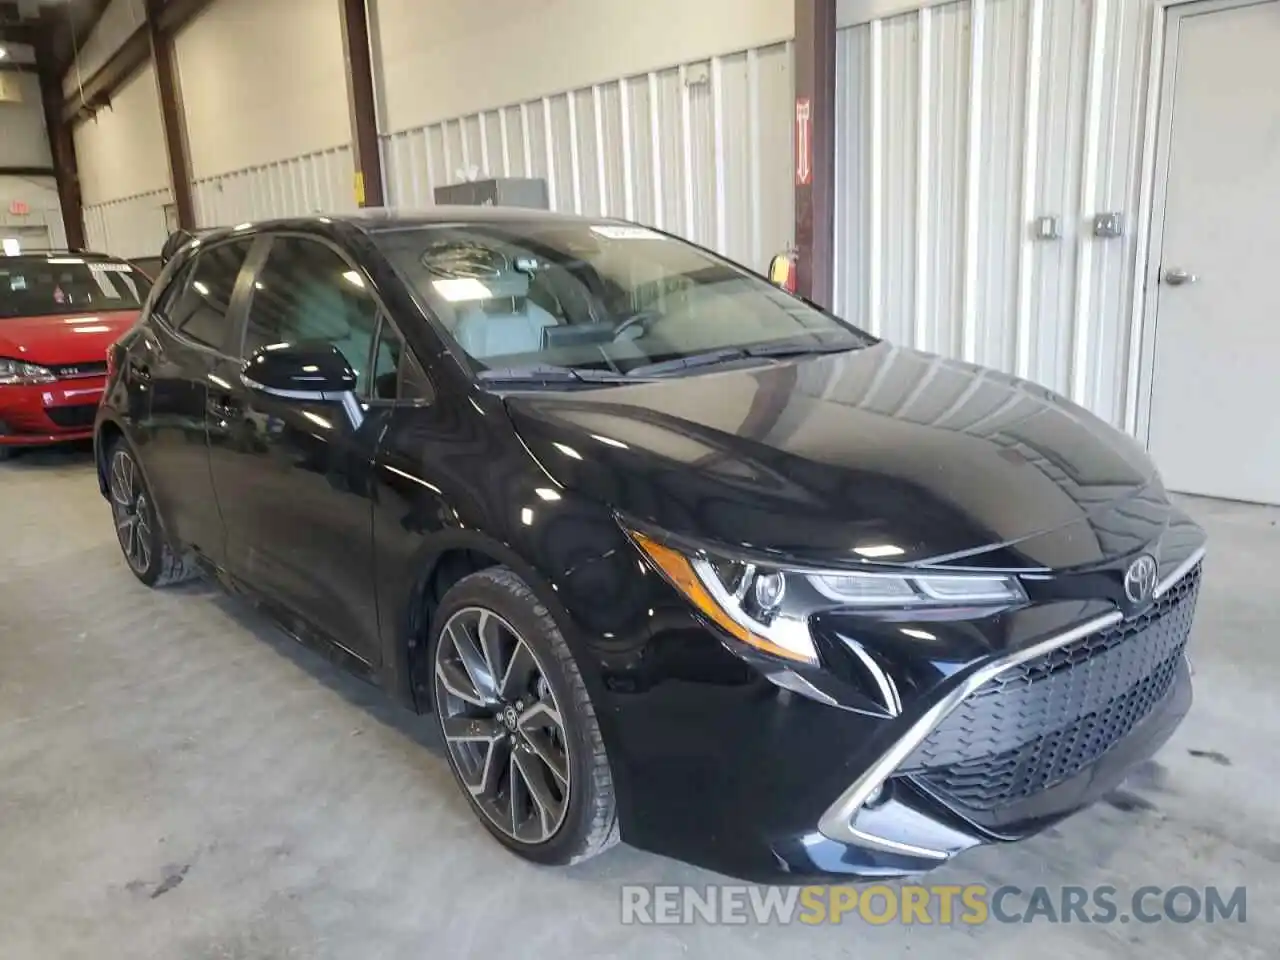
{"x":804,"y":142}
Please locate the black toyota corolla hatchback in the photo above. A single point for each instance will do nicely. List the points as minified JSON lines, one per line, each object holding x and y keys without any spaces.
{"x":674,"y":557}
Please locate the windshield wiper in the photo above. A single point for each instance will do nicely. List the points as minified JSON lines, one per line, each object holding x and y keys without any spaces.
{"x":550,"y":374}
{"x":710,"y":358}
{"x":790,"y":348}
{"x":770,"y":351}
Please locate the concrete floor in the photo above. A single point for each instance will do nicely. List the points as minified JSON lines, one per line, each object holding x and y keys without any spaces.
{"x":179,"y":780}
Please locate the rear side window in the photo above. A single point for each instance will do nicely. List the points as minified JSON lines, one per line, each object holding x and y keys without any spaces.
{"x":200,"y":313}
{"x":169,"y":295}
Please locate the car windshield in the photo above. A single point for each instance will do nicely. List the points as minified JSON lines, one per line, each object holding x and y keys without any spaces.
{"x":41,"y":286}
{"x":565,"y":302}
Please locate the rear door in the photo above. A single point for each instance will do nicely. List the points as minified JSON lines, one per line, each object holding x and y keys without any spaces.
{"x":180,"y":350}
{"x":291,"y":475}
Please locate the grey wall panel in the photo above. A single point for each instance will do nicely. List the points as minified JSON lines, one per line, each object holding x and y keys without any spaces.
{"x":701,"y":149}
{"x":316,"y":183}
{"x":958,"y":125}
{"x":129,"y":227}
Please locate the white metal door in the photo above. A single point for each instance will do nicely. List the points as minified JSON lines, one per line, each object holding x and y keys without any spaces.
{"x":1214,"y":414}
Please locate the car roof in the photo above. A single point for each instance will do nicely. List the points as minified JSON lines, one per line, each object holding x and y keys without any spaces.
{"x":386,"y":219}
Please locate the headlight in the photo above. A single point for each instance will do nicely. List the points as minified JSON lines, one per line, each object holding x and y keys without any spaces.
{"x":769,"y":608}
{"x":16,"y":371}
{"x":895,"y":590}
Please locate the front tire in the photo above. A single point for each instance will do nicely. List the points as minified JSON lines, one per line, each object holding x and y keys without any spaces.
{"x":519,"y":728}
{"x":147,"y":551}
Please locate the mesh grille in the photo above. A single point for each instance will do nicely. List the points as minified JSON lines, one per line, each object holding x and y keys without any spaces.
{"x":80,"y":415}
{"x":1044,"y":721}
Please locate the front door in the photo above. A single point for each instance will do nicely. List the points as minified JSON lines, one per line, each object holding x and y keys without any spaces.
{"x":292,"y":474}
{"x":1215,"y":388}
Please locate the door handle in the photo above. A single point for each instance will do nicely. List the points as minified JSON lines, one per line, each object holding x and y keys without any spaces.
{"x":1176,"y":277}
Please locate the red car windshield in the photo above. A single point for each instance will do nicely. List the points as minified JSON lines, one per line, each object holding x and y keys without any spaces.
{"x":41,"y":286}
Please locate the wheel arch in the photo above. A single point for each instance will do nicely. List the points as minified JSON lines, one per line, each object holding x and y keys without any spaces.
{"x":108,"y":432}
{"x":441,"y":563}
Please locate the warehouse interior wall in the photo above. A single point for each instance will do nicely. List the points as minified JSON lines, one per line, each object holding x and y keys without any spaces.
{"x":262,"y":81}
{"x":23,"y":140}
{"x":442,"y":60}
{"x":976,"y":143}
{"x":270,"y":137}
{"x":29,"y":207}
{"x":684,"y":129}
{"x":124,"y":173}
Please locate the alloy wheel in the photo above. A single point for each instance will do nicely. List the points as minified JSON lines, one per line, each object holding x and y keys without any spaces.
{"x":131,"y":510}
{"x":502,"y":725}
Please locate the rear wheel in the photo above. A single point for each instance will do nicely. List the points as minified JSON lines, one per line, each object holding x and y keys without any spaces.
{"x":146,"y":550}
{"x":519,"y":729}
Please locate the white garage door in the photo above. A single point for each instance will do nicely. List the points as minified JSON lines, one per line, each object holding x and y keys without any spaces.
{"x":1215,"y":389}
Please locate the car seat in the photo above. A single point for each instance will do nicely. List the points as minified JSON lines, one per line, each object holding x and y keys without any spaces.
{"x":512,"y":328}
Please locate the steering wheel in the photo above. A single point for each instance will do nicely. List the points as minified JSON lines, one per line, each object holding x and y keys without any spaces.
{"x":641,"y":318}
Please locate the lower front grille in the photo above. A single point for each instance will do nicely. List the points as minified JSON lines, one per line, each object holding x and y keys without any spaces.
{"x":1046,"y":720}
{"x":79,"y":415}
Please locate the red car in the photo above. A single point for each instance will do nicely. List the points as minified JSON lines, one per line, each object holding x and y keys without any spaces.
{"x":58,"y":315}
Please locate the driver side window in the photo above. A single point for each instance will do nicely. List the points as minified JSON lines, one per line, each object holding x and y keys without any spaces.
{"x":307,"y":293}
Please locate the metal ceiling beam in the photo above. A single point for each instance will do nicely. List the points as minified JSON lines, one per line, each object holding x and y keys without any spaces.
{"x":172,"y":116}
{"x":815,"y":73}
{"x":68,"y":27}
{"x":20,"y":34}
{"x":96,"y":91}
{"x":132,"y":55}
{"x":358,"y":54}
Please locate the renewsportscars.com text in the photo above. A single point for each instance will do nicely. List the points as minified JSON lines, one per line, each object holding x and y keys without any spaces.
{"x":940,"y":904}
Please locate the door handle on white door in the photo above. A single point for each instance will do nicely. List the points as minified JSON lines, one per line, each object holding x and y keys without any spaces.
{"x":1176,"y":278}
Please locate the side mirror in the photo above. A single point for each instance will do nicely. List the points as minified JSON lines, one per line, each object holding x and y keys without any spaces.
{"x":302,"y":371}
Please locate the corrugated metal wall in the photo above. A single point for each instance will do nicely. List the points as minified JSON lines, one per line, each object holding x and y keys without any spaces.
{"x":957,"y":127}
{"x":702,"y":150}
{"x":129,"y":227}
{"x":316,"y":183}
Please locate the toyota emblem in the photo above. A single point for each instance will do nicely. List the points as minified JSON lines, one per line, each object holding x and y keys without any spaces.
{"x":1140,"y":579}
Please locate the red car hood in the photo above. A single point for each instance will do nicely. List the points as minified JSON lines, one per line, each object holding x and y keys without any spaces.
{"x":60,"y":340}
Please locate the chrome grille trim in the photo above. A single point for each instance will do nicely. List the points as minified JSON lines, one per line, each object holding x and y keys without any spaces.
{"x":837,"y":821}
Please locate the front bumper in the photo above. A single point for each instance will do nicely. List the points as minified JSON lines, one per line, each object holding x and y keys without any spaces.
{"x":1003,"y":726}
{"x":36,"y":414}
{"x":1030,"y":737}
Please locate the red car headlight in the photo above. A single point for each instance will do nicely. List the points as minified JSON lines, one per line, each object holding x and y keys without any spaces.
{"x":14,"y":372}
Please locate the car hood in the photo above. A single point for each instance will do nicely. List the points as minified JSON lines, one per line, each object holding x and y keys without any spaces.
{"x":60,"y":340}
{"x":884,"y":455}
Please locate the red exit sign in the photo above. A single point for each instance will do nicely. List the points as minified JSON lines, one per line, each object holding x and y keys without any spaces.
{"x":19,"y":208}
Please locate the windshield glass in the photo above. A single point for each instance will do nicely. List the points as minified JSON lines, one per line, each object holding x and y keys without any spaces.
{"x":574,"y":297}
{"x":50,"y":286}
